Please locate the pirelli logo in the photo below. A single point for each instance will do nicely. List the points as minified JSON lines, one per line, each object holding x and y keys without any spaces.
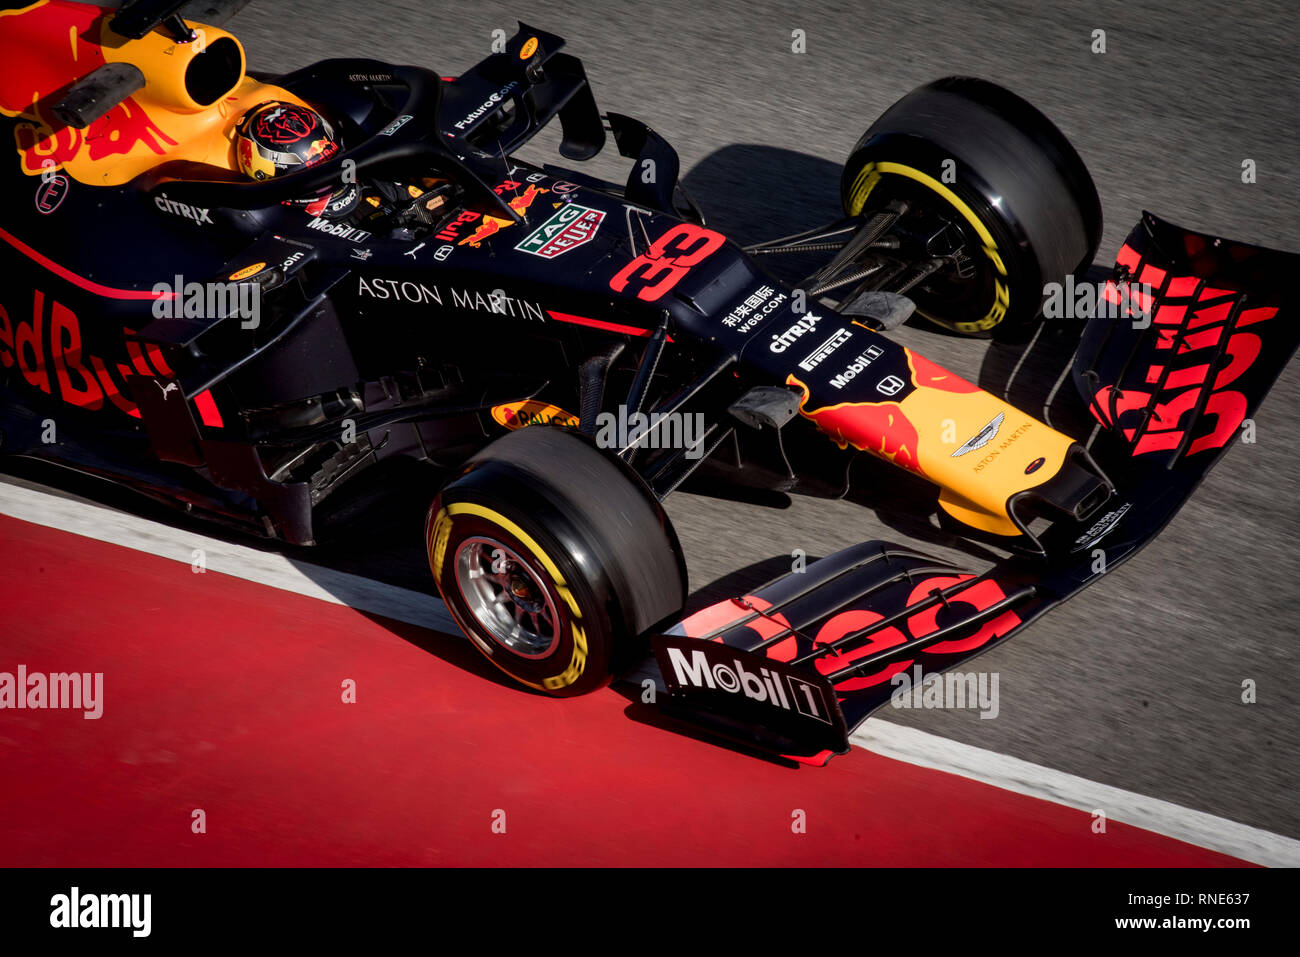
{"x":823,"y":351}
{"x":569,"y":227}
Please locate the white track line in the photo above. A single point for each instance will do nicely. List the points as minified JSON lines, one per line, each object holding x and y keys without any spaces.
{"x":890,"y":740}
{"x":239,"y":561}
{"x":1023,"y":777}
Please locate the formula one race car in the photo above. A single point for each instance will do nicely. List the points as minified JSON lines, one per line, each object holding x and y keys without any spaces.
{"x":237,"y":292}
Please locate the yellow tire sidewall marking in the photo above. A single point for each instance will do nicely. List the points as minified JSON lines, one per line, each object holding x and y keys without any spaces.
{"x":866,"y":181}
{"x":440,"y":533}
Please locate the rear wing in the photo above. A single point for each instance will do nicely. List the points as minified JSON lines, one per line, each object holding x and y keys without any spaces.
{"x":1205,"y":328}
{"x":501,"y":103}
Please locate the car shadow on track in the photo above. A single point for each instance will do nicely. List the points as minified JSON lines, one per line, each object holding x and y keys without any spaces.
{"x":752,"y":193}
{"x":649,"y":714}
{"x":1033,"y":371}
{"x":450,"y":647}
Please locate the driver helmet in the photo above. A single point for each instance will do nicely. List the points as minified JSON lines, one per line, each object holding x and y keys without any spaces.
{"x":277,"y":137}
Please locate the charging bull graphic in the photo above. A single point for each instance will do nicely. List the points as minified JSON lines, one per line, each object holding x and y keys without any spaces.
{"x":491,"y":225}
{"x":34,"y":78}
{"x":980,"y":451}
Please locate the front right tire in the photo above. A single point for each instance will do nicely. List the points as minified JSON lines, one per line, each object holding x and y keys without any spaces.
{"x":972,"y":158}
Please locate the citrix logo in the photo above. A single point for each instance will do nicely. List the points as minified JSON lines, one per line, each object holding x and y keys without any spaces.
{"x":196,"y":213}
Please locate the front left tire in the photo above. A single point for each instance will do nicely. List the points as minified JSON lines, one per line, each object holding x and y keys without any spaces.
{"x":554,"y":560}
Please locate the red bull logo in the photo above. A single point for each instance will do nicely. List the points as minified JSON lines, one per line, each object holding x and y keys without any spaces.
{"x":525,"y":199}
{"x":319,"y":150}
{"x":490,"y":226}
{"x":117,"y":132}
{"x":45,"y":47}
{"x":880,"y":428}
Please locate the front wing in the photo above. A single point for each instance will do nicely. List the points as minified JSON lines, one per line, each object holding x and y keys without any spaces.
{"x":1205,"y":328}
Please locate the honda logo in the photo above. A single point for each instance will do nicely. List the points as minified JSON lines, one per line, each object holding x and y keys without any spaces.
{"x":889,"y":385}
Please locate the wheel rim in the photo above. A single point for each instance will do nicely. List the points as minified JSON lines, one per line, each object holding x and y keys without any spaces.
{"x":507,"y":597}
{"x":954,"y":296}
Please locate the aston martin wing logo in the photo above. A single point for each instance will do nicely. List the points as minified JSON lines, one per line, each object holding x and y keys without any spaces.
{"x":983,"y":437}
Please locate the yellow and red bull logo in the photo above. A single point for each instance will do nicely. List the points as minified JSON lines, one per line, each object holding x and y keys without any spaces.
{"x":51,"y":44}
{"x":45,"y":47}
{"x":490,"y":226}
{"x":975,"y":447}
{"x":525,"y":199}
{"x":319,"y":150}
{"x":880,"y":428}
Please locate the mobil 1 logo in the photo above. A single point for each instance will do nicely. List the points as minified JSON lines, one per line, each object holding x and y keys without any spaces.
{"x":746,"y":683}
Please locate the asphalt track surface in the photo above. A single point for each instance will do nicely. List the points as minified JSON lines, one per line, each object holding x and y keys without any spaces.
{"x":1137,"y":682}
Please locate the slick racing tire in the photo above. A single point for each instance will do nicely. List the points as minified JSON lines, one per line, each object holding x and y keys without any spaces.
{"x":977,"y":164}
{"x":554,"y":559}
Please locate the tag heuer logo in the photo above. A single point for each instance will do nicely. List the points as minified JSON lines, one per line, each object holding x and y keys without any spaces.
{"x":570,"y":226}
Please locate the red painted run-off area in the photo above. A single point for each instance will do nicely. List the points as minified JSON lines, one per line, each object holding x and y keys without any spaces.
{"x":225,"y":695}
